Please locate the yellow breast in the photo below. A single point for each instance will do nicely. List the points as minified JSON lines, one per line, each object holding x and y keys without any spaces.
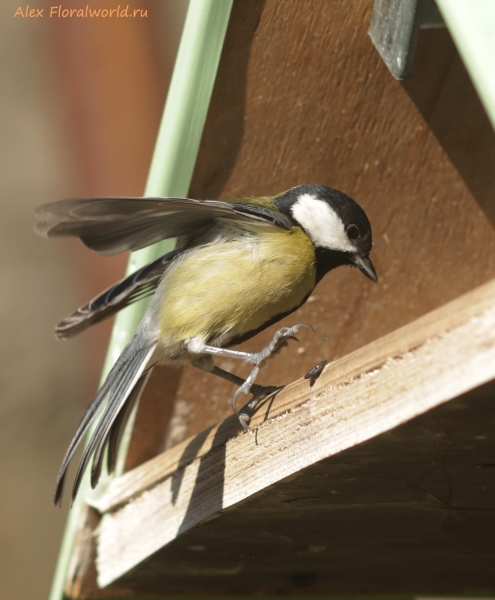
{"x":235,"y":286}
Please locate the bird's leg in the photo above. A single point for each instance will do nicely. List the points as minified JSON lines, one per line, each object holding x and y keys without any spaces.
{"x":227,"y":376}
{"x":259,"y":392}
{"x":278,"y":342}
{"x":255,"y":388}
{"x":205,"y":363}
{"x":258,"y":359}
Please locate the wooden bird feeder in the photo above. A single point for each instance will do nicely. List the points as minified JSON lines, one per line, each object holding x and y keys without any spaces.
{"x":379,"y":476}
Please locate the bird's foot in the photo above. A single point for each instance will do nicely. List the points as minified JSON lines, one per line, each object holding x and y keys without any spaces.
{"x":279,"y":341}
{"x":259,"y":392}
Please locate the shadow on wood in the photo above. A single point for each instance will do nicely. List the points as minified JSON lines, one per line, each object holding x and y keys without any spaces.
{"x":224,"y":128}
{"x":444,"y":94}
{"x":412,"y":509}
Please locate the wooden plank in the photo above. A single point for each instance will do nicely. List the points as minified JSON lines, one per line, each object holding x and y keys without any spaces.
{"x":409,"y":512}
{"x":375,"y":389}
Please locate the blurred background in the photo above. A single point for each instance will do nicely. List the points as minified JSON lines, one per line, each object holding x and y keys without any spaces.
{"x":80,"y":104}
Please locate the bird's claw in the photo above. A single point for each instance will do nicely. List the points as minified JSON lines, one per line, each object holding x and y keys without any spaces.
{"x":244,"y":420}
{"x":280,"y":340}
{"x":259,"y":392}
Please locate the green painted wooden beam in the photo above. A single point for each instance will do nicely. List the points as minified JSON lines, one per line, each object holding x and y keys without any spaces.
{"x":170,"y":174}
{"x":472,"y":25}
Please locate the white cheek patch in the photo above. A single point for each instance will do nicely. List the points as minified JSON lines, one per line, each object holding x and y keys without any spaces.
{"x":321,"y":223}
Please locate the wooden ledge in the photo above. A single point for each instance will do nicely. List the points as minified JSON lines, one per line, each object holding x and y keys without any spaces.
{"x":393,"y":380}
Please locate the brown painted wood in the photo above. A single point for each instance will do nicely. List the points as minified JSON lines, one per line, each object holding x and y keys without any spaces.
{"x":156,"y":407}
{"x":302,"y":96}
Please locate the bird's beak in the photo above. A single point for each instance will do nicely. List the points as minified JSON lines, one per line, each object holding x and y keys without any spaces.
{"x":366,"y":267}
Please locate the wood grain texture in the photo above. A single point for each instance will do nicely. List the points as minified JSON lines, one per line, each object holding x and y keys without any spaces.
{"x":408,"y":512}
{"x":366,"y":394}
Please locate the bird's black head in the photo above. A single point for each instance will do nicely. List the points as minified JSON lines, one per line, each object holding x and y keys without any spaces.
{"x":335,"y":223}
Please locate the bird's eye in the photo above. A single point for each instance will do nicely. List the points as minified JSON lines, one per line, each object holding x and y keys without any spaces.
{"x":352,"y":232}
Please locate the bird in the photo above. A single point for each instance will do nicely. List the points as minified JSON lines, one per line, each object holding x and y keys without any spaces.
{"x":239,"y":266}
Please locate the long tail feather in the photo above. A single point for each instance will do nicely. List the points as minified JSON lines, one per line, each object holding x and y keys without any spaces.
{"x":119,"y":384}
{"x":84,"y":425}
{"x":128,"y":397}
{"x":124,"y":387}
{"x":120,"y":423}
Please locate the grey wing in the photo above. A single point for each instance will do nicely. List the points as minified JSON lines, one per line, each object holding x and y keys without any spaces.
{"x":113,"y":225}
{"x":135,"y":286}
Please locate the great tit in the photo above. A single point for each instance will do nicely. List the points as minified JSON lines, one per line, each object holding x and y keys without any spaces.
{"x":239,"y":266}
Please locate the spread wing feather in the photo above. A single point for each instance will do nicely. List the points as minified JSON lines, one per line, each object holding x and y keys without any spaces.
{"x":113,"y":225}
{"x":135,"y":286}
